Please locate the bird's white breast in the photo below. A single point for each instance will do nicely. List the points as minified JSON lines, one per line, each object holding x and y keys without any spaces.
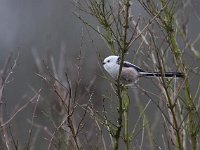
{"x":112,"y":69}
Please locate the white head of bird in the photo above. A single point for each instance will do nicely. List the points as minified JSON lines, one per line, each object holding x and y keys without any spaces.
{"x":111,"y":65}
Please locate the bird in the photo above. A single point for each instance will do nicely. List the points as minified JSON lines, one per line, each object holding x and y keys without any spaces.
{"x":130,"y":72}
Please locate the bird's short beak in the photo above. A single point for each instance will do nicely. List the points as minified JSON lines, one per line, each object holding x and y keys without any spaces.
{"x":103,"y":63}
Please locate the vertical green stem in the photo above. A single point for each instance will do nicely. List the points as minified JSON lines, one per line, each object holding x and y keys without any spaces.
{"x":119,"y":89}
{"x":120,"y":114}
{"x":191,"y":115}
{"x":126,"y":129}
{"x":126,"y":101}
{"x":191,"y":107}
{"x":168,"y":22}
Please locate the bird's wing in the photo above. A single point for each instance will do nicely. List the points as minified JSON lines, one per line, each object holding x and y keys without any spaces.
{"x":128,"y":64}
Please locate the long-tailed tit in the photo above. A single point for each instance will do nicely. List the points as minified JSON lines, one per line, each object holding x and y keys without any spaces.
{"x":130,"y":73}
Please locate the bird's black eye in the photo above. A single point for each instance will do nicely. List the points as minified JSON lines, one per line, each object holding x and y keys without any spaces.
{"x":108,"y":61}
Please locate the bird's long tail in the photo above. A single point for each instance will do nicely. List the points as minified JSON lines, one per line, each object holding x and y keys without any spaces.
{"x":165,"y":75}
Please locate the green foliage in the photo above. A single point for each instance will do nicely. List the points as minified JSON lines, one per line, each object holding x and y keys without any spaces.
{"x":157,"y":38}
{"x":119,"y":33}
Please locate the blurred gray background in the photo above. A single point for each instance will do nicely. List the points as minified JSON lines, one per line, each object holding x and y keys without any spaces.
{"x":45,"y":26}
